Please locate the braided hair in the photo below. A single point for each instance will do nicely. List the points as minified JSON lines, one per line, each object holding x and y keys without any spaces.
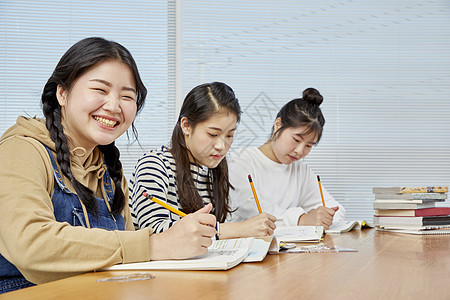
{"x":74,"y":63}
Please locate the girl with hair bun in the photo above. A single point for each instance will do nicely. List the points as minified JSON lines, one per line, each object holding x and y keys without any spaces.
{"x":286,"y":187}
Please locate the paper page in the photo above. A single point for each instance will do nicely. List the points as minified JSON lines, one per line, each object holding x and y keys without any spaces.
{"x":345,"y":226}
{"x":341,"y":226}
{"x":258,"y":250}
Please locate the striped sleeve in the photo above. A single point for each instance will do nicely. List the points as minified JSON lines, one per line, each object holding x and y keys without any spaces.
{"x":154,"y":174}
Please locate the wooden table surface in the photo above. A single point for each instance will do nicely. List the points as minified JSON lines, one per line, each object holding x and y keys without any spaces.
{"x":386,"y":266}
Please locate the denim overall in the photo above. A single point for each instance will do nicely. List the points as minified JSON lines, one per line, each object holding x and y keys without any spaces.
{"x":67,"y":208}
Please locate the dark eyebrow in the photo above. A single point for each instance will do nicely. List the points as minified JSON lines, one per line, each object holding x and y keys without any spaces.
{"x":219,"y":129}
{"x":107,"y":83}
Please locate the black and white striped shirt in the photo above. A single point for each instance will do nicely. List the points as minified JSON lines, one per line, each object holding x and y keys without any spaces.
{"x":154,"y":173}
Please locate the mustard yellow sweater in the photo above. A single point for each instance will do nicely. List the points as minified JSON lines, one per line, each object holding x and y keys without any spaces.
{"x":30,"y":238}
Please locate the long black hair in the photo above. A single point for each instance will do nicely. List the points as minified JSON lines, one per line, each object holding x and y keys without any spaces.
{"x":75,"y":62}
{"x":200,"y":104}
{"x":302,"y":112}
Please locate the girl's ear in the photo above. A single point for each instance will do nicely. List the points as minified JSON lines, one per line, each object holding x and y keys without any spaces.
{"x":61,"y":95}
{"x":277,"y":124}
{"x":185,"y":126}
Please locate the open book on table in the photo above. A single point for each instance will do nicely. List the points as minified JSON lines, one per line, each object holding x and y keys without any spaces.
{"x":225,"y":254}
{"x":299,"y":233}
{"x":221,"y":255}
{"x":345,"y":226}
{"x":283,"y":235}
{"x":260,"y":247}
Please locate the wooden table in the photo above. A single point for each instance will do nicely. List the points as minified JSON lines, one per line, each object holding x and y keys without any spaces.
{"x":386,"y":266}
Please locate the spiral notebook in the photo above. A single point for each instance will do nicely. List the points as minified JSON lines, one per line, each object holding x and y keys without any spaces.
{"x":424,"y":230}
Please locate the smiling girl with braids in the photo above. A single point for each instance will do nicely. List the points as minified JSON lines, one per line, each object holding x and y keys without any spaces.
{"x":63,"y":197}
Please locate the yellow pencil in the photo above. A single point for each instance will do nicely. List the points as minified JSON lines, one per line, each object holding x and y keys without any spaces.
{"x":254,"y":193}
{"x":172,"y":209}
{"x":321,"y":193}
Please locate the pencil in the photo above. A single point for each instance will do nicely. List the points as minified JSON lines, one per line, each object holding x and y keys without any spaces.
{"x":254,"y":193}
{"x":321,"y":193}
{"x":172,"y":209}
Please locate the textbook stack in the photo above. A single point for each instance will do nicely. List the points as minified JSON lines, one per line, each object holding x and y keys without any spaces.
{"x":411,"y":209}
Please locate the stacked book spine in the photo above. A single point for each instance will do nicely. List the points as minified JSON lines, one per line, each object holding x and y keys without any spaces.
{"x":410,"y":208}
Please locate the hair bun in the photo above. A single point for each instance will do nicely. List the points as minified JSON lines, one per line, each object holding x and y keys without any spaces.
{"x":312,"y":96}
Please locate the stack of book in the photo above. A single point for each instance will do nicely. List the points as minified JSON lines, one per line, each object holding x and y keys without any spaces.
{"x":411,"y":209}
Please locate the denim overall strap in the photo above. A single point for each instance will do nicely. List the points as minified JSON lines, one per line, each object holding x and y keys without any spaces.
{"x":68,"y":208}
{"x":108,"y":186}
{"x":56,"y":172}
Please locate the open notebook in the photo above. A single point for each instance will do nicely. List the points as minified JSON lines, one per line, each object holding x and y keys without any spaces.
{"x":222,"y":255}
{"x":283,"y":234}
{"x":345,"y":226}
{"x":299,"y":233}
{"x":225,"y":254}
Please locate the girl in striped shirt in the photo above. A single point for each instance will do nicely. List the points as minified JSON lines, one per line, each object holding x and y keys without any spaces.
{"x":193,"y":172}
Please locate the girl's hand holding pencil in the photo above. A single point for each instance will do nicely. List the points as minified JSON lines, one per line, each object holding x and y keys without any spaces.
{"x":191,"y":236}
{"x":320,"y":216}
{"x":260,"y":225}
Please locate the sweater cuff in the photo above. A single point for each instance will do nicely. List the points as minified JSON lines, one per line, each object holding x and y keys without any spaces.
{"x":135,"y":245}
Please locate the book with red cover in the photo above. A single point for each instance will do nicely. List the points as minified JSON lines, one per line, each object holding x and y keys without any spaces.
{"x":423,"y":212}
{"x":414,"y":221}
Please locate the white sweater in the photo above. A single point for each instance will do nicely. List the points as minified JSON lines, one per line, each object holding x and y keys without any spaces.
{"x":285,"y":191}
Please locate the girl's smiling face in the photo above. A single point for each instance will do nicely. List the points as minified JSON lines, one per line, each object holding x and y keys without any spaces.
{"x":100,"y":106}
{"x":210,"y":140}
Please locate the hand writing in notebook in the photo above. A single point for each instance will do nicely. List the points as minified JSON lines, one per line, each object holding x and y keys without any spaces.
{"x":175,"y":242}
{"x":320,"y":216}
{"x":261,"y":225}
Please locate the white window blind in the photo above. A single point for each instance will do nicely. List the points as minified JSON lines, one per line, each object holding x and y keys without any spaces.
{"x":35,"y":34}
{"x":383,"y":68}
